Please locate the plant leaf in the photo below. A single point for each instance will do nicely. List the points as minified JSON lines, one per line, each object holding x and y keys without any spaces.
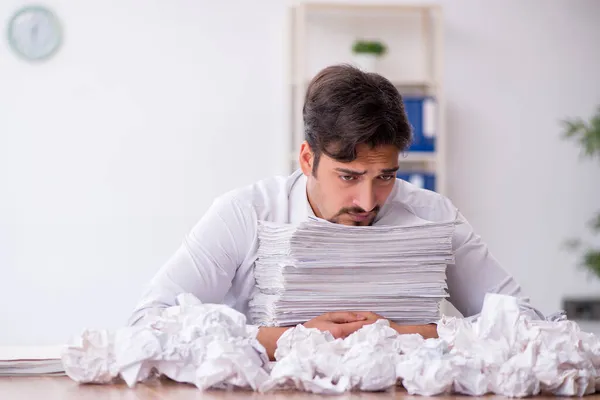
{"x":591,"y":260}
{"x":587,"y":134}
{"x":588,"y":137}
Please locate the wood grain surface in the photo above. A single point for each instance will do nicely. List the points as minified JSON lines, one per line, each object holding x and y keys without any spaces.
{"x":63,"y":388}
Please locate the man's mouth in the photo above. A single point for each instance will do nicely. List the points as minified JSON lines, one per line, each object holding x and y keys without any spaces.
{"x":360,"y":217}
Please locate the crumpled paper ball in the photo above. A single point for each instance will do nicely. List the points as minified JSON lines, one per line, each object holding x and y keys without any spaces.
{"x":500,"y":351}
{"x":208,"y":345}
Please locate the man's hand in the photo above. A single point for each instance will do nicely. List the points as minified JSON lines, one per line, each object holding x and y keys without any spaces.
{"x":427,"y":331}
{"x":268,"y":337}
{"x":339,"y":324}
{"x":370,"y":316}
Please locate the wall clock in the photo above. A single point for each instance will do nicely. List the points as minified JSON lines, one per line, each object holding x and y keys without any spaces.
{"x":34,"y":33}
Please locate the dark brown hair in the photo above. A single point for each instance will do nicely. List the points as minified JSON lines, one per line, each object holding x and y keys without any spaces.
{"x":345,"y":107}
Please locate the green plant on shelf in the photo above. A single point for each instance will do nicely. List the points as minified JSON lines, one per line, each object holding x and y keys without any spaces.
{"x":374,"y":47}
{"x":587,"y":135}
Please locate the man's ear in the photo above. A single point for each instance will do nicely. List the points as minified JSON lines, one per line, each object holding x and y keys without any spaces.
{"x":306,"y":158}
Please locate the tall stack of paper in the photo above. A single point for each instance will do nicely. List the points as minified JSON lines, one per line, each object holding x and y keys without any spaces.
{"x":25,"y":360}
{"x":316,"y":267}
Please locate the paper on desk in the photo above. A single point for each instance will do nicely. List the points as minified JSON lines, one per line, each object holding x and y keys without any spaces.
{"x":207,"y":345}
{"x":506,"y":352}
{"x":314,"y":361}
{"x":402,"y":276}
{"x":30,"y":360}
{"x":502,"y":351}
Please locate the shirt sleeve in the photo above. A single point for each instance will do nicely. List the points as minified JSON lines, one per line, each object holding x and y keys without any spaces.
{"x":476,"y":272}
{"x":205,"y":263}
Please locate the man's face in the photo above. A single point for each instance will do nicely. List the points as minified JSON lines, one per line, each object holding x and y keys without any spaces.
{"x":351,"y":193}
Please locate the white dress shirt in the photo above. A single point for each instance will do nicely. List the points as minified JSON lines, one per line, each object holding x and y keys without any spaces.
{"x":215,"y":262}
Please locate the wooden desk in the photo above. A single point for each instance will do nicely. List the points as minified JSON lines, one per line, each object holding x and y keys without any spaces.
{"x":63,"y":388}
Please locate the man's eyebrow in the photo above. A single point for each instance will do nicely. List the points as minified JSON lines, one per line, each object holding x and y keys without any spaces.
{"x":350,"y":172}
{"x":390,"y":170}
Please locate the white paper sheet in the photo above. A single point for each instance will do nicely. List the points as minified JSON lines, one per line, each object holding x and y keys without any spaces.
{"x":30,"y":360}
{"x":302,"y":270}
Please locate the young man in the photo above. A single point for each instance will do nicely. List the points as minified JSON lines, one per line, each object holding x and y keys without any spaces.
{"x":355,"y":127}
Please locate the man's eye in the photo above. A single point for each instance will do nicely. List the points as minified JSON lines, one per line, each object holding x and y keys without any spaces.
{"x":387,"y":177}
{"x":347,"y":178}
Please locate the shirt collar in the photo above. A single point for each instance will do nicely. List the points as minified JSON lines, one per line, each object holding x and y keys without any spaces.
{"x":299,"y":207}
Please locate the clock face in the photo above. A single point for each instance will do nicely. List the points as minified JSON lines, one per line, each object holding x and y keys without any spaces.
{"x":34,"y":33}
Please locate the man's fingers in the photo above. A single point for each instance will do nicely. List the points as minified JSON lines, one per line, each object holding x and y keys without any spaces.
{"x":369,"y":315}
{"x":343,"y":317}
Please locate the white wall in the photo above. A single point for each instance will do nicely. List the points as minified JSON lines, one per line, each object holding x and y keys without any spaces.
{"x":111,"y":151}
{"x":514,"y":69}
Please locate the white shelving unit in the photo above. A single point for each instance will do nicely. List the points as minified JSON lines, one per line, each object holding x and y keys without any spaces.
{"x":322,"y":34}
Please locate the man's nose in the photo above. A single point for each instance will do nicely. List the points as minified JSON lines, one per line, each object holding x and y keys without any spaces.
{"x":366,"y":198}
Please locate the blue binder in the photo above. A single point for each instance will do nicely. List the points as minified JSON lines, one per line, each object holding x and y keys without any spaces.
{"x":424,"y":180}
{"x":421,"y":116}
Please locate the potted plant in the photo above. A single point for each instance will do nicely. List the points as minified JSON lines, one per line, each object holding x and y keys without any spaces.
{"x":366,"y":53}
{"x":587,"y":134}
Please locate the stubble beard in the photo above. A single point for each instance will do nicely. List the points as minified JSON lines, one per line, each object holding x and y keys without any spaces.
{"x":347,"y":211}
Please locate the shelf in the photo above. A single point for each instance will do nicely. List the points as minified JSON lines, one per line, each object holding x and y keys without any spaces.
{"x":406,"y":88}
{"x":400,"y":83}
{"x":323,"y":34}
{"x":418,"y":156}
{"x":366,"y":7}
{"x":408,"y":157}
